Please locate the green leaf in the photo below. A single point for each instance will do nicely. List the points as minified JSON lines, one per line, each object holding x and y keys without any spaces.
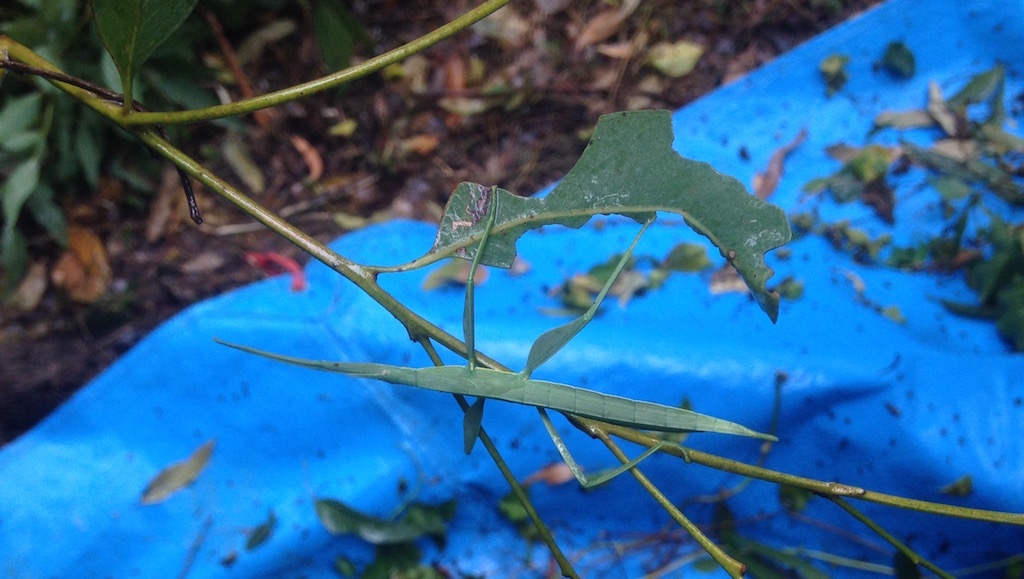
{"x":260,"y":534}
{"x":629,"y":168}
{"x":132,"y":29}
{"x":21,"y":183}
{"x":332,"y":26}
{"x":47,"y":213}
{"x":1011,"y":321}
{"x":18,"y":115}
{"x":979,"y":88}
{"x":833,"y":72}
{"x":177,"y":476}
{"x":899,"y":60}
{"x":340,"y":519}
{"x":688,"y":257}
{"x":14,"y":258}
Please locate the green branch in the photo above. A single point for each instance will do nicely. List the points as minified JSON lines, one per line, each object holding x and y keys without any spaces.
{"x":321,"y":84}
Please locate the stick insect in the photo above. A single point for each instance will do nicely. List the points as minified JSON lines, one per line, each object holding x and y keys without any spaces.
{"x":484,"y":383}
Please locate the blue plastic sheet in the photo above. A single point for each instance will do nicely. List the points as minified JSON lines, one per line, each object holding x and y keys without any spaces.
{"x":900,"y":409}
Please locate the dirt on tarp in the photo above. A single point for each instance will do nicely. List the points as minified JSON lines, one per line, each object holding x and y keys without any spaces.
{"x":510,"y":102}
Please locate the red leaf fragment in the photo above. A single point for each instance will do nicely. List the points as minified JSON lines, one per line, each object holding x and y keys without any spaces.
{"x":273,"y":263}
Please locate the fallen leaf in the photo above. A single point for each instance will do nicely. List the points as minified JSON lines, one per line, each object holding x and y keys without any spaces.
{"x":311,"y":156}
{"x":83,"y":271}
{"x":766,"y":182}
{"x":898,"y":60}
{"x":260,"y":534}
{"x":961,"y":487}
{"x":169,"y":208}
{"x":957,"y":149}
{"x":419,"y":144}
{"x":345,"y":128}
{"x":675,"y":59}
{"x":940,"y":111}
{"x":505,"y":26}
{"x":30,"y":290}
{"x":605,"y":24}
{"x":856,"y":281}
{"x":553,"y":474}
{"x":177,"y":476}
{"x":236,"y":155}
{"x":273,"y":263}
{"x":205,"y":262}
{"x":833,"y":71}
{"x":727,"y":280}
{"x":454,"y":272}
{"x":912,"y":119}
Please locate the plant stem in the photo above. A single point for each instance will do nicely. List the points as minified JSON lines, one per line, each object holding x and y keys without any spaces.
{"x":733,"y":567}
{"x":321,"y":84}
{"x":822,"y":488}
{"x":524,"y":499}
{"x":907,"y":551}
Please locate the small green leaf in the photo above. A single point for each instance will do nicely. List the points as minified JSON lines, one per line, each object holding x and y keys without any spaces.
{"x":979,"y":88}
{"x":335,"y":30}
{"x":132,"y":29}
{"x":688,"y":257}
{"x":260,"y":534}
{"x":177,"y":476}
{"x":833,"y":71}
{"x":19,"y":114}
{"x":340,"y":519}
{"x":899,"y":60}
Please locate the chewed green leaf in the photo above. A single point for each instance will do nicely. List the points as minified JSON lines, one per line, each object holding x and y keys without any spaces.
{"x":132,"y":29}
{"x":631,"y":169}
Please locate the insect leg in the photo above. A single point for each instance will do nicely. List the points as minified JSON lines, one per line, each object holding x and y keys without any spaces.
{"x":605,"y":475}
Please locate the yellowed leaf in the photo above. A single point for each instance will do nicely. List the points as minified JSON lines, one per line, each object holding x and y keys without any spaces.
{"x":83,"y":271}
{"x":675,"y":59}
{"x":177,"y":476}
{"x":345,"y":128}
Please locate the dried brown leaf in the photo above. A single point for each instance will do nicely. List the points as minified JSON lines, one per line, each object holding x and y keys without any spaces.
{"x":177,"y":476}
{"x":727,"y":280}
{"x":605,"y":24}
{"x":311,"y":156}
{"x":766,"y":182}
{"x":83,"y":271}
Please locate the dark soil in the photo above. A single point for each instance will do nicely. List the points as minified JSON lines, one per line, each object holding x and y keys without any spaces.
{"x":414,"y":142}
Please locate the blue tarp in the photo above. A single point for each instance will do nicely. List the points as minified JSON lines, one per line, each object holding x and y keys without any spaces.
{"x":901,"y":409}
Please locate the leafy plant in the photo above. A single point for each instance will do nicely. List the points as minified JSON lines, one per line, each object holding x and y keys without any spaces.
{"x":629,"y":169}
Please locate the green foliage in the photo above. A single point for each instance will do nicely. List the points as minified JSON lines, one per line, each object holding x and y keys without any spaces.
{"x":629,"y":152}
{"x":132,"y":29}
